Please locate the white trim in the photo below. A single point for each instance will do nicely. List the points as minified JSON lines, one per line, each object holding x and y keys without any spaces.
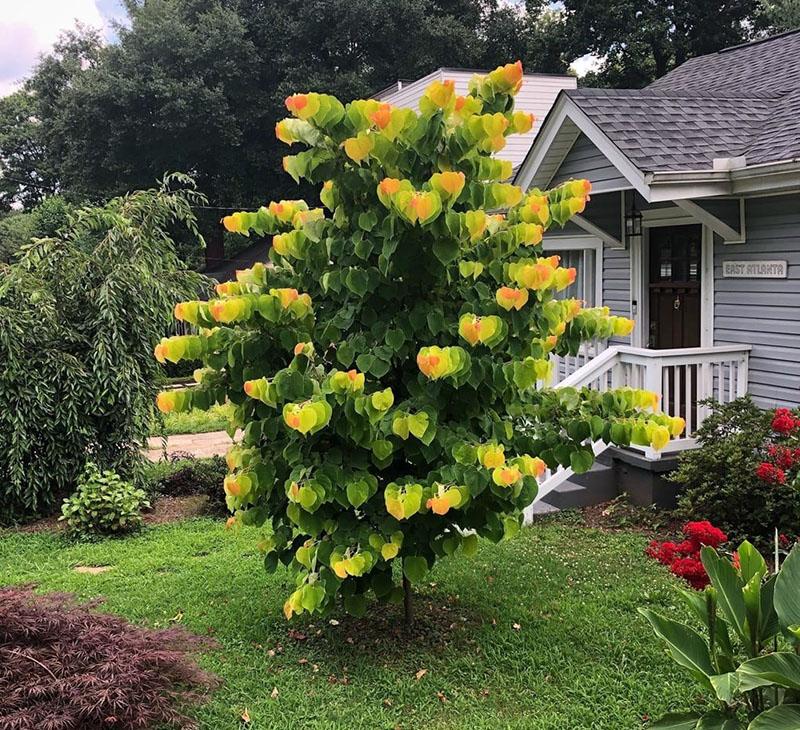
{"x":565,"y":109}
{"x":640,"y":280}
{"x":742,"y":225}
{"x":671,"y":216}
{"x":582,"y":243}
{"x":707,"y":288}
{"x":596,"y":230}
{"x":638,"y":301}
{"x":709,"y":219}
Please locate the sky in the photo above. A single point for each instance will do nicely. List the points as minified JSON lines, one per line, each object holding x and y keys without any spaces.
{"x":28,"y":29}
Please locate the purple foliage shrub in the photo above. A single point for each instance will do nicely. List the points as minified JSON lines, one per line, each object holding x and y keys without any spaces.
{"x":64,"y":666}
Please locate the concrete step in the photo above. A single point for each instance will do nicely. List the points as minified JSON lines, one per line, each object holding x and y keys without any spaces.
{"x":597,"y":485}
{"x":542,"y":508}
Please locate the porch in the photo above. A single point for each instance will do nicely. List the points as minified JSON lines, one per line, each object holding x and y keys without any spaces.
{"x":682,"y":377}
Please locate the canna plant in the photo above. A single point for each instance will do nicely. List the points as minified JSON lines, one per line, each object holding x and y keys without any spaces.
{"x":749,"y":658}
{"x":388,"y":368}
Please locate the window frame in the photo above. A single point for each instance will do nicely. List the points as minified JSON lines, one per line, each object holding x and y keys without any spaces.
{"x":582,"y":243}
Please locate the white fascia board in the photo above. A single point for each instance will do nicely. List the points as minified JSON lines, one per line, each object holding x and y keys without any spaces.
{"x":563,"y":109}
{"x":729,"y":235}
{"x":541,"y":144}
{"x":596,"y":230}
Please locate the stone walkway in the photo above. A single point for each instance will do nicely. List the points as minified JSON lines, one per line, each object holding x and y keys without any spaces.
{"x":201,"y":445}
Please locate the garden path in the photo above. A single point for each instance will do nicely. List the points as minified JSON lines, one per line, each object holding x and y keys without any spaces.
{"x":201,"y":445}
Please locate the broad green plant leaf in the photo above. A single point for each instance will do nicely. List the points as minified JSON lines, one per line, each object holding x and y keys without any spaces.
{"x":685,"y":645}
{"x":783,"y":717}
{"x":787,"y":595}
{"x":781,"y":668}
{"x":729,"y":591}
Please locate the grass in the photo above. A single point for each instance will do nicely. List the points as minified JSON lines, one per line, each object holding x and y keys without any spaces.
{"x":194,"y":421}
{"x":541,"y":632}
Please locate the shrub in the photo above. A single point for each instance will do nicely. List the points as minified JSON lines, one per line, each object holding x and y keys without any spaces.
{"x":748,"y":661}
{"x":194,"y":476}
{"x":720,"y":480}
{"x":77,"y":378}
{"x":63,"y":665}
{"x":103,"y":504}
{"x":389,"y":370}
{"x":683,"y":558}
{"x":780,"y":465}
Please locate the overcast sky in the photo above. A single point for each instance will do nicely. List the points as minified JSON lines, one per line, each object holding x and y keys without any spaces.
{"x":28,"y":29}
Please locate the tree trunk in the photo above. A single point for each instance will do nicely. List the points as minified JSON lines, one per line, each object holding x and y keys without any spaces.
{"x":409,"y":614}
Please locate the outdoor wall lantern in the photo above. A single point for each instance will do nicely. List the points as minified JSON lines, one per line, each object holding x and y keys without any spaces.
{"x":633,"y":223}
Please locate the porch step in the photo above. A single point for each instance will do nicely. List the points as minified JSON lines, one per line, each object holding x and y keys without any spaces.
{"x":597,"y":485}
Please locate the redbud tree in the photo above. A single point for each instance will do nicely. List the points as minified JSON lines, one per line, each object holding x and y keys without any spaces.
{"x":389,"y":368}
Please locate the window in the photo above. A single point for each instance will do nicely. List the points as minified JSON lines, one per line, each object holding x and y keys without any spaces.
{"x":585,"y":254}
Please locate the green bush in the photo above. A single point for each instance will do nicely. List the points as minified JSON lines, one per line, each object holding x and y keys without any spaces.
{"x":103,"y":504}
{"x":77,"y":379}
{"x":720,"y":477}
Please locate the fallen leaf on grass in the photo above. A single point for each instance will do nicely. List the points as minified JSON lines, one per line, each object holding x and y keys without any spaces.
{"x":441,"y":697}
{"x":245,"y":717}
{"x":420,"y":674}
{"x":516,"y":627}
{"x":274,"y":693}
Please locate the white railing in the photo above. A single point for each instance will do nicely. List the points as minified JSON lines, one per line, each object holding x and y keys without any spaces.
{"x":682,"y":377}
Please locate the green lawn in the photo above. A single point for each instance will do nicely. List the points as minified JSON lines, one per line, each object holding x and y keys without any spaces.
{"x":545,"y":633}
{"x":194,"y":421}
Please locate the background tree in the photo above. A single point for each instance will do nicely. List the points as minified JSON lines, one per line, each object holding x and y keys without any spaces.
{"x":199,"y":85}
{"x":638,"y":41}
{"x":782,"y":15}
{"x":388,"y":371}
{"x":77,"y":379}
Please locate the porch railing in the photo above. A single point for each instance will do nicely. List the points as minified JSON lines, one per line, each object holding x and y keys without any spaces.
{"x":682,"y":377}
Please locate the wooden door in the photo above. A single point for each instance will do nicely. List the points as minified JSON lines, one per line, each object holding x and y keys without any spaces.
{"x":674,"y":288}
{"x":675,"y":265}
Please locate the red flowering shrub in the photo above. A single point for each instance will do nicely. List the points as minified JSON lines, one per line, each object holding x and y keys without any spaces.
{"x":781,"y":456}
{"x":683,"y":558}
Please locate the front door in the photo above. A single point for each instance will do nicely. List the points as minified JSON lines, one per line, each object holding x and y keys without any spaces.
{"x":675,"y":266}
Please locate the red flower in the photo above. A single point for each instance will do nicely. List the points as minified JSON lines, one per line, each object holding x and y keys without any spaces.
{"x":783,"y":421}
{"x":783,"y":456}
{"x":735,"y":560}
{"x":770,"y":473}
{"x":704,"y":533}
{"x":692,"y":571}
{"x":664,"y":552}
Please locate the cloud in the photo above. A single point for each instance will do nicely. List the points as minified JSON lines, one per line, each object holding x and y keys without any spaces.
{"x":28,"y":29}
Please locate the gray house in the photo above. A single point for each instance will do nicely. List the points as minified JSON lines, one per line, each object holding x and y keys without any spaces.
{"x":693,"y":230}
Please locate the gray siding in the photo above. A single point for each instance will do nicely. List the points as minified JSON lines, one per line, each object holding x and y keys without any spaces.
{"x":764,"y":313}
{"x":584,"y":160}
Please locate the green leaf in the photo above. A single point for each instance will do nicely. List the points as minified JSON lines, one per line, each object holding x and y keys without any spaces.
{"x":581,"y":460}
{"x":579,"y":430}
{"x":787,"y":594}
{"x":783,"y":717}
{"x":357,"y":493}
{"x":395,"y":338}
{"x":729,"y":590}
{"x":445,"y":249}
{"x":418,"y":424}
{"x":367,"y":220}
{"x":750,"y":562}
{"x":685,"y":645}
{"x":382,"y":449}
{"x":415,"y":567}
{"x":726,"y":685}
{"x":364,"y":362}
{"x":781,"y":668}
{"x":718,"y":721}
{"x":357,"y":281}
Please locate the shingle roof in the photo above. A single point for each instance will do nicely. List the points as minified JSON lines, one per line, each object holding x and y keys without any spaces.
{"x":741,"y":101}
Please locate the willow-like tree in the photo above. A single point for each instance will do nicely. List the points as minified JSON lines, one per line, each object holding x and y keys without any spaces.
{"x":389,"y":368}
